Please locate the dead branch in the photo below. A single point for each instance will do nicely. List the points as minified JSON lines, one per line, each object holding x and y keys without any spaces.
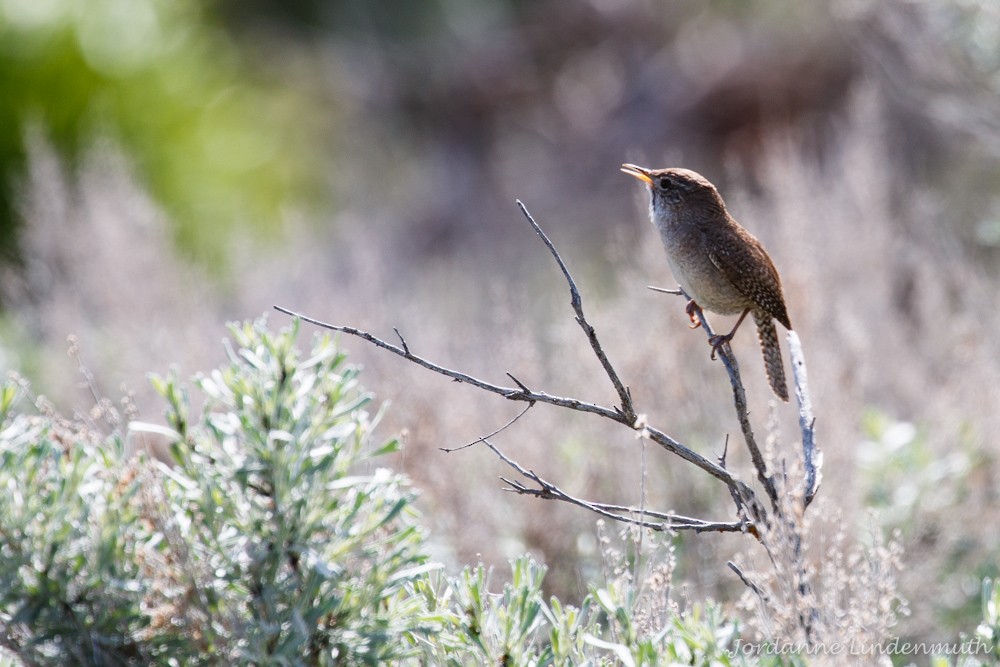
{"x":742,"y":413}
{"x":520,"y":414}
{"x":531,"y":396}
{"x":761,"y":593}
{"x":811,"y":454}
{"x":577,"y":302}
{"x":748,"y":507}
{"x":630,"y":515}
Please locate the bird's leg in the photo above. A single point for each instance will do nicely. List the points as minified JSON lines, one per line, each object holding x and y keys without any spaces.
{"x":717,"y":340}
{"x":692,"y":309}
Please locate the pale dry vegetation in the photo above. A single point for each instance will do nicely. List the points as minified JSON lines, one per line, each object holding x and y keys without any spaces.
{"x":894,"y":306}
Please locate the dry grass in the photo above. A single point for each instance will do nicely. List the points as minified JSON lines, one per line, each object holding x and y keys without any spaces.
{"x":817,"y":586}
{"x":99,"y":265}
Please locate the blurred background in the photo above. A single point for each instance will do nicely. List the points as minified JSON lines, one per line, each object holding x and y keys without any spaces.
{"x":167,"y":166}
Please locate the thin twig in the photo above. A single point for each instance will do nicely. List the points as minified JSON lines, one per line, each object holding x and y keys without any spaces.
{"x":642,"y":502}
{"x":550,"y":491}
{"x":742,"y":413}
{"x":740,"y":503}
{"x":577,"y":302}
{"x":402,"y":341}
{"x":664,"y":290}
{"x":670,"y":516}
{"x":523,"y":387}
{"x":483,"y":438}
{"x":761,"y":593}
{"x":520,"y":394}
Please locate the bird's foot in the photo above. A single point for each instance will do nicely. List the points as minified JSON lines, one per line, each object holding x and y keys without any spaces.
{"x":692,"y":312}
{"x":718,"y":341}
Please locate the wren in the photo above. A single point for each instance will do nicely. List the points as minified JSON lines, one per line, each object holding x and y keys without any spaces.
{"x":719,"y":264}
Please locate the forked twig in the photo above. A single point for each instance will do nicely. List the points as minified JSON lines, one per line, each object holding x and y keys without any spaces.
{"x":748,"y":507}
{"x":811,"y":454}
{"x":624,"y":395}
{"x":531,"y":396}
{"x":630,"y":515}
{"x":483,"y":438}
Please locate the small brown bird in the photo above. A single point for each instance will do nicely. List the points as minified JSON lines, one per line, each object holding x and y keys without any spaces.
{"x":720,"y":265}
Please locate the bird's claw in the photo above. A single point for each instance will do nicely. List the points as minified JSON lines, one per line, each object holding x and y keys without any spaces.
{"x":692,"y":309}
{"x":718,"y":341}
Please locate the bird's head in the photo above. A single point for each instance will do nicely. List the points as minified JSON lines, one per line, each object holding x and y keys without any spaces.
{"x":673,"y":188}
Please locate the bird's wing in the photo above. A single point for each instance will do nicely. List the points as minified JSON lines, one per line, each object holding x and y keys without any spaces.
{"x":742,"y":259}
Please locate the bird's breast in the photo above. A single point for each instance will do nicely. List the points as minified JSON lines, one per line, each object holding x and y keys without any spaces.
{"x":689,"y":261}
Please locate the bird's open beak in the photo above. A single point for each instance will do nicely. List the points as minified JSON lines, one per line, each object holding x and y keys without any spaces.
{"x":639,"y":172}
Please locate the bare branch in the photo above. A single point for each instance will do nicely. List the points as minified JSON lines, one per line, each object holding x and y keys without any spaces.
{"x":577,"y":302}
{"x":740,"y":402}
{"x":629,"y":515}
{"x":664,"y":290}
{"x":678,"y":519}
{"x":747,"y":504}
{"x":811,"y":454}
{"x":521,"y":394}
{"x":402,"y":341}
{"x":506,"y":392}
{"x":520,"y":384}
{"x":761,"y":593}
{"x":483,"y":438}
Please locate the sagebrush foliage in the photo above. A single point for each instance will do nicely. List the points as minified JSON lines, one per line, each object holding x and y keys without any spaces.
{"x":303,"y":551}
{"x":71,"y":588}
{"x":272,"y":537}
{"x":269,"y":540}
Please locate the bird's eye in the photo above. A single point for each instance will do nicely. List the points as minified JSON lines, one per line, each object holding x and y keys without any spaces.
{"x":664,"y":183}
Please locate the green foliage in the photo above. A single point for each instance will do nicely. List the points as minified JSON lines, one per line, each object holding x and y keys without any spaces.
{"x":989,"y":630}
{"x":214,"y":146}
{"x":272,"y":539}
{"x":70,"y":586}
{"x":905,"y":478}
{"x":269,"y":541}
{"x":915,"y":490}
{"x":312,"y":557}
{"x":700,"y":637}
{"x":506,"y":628}
{"x":982,"y":648}
{"x":517,"y":626}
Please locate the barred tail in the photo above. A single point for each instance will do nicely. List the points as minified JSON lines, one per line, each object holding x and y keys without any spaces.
{"x":768,"y":336}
